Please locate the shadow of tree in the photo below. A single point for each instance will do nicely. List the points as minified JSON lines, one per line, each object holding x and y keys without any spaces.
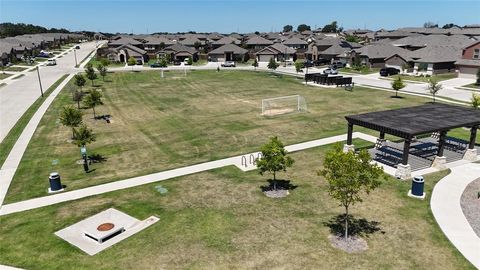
{"x":358,"y":227}
{"x":280,"y":184}
{"x":97,"y":158}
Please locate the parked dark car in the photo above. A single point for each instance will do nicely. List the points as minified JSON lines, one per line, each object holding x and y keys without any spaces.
{"x":338,"y":64}
{"x":77,"y":47}
{"x":176,"y":63}
{"x":156,"y":65}
{"x":320,"y":62}
{"x":308,"y":63}
{"x":388,"y":71}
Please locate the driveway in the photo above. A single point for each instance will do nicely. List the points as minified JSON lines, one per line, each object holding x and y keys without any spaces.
{"x":19,"y":94}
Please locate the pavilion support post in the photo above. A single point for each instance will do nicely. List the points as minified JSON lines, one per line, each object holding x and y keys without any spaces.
{"x":404,"y":170}
{"x":471,"y":153}
{"x":349,"y":145}
{"x":440,"y":160}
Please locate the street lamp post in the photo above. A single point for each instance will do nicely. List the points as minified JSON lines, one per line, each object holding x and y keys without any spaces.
{"x":39,"y":81}
{"x":75,"y":53}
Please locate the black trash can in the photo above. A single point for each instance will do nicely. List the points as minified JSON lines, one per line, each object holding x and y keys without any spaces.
{"x":417,"y":185}
{"x":55,"y":183}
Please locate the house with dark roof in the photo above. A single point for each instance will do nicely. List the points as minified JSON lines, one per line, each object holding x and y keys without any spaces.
{"x":381,"y":55}
{"x":295,"y":43}
{"x":256,"y":43}
{"x":278,"y":52}
{"x":154,"y":44}
{"x":469,"y":63}
{"x":228,"y":52}
{"x":122,"y":53}
{"x":123,"y":40}
{"x":330,"y":48}
{"x":225,"y":41}
{"x":179,"y":52}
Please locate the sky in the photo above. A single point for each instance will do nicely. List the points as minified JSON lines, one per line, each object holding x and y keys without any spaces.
{"x":145,"y":17}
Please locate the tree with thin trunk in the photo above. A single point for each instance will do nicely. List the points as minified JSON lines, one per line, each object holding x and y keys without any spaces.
{"x":77,"y":97}
{"x":79,"y":81}
{"x":83,"y":136}
{"x":131,"y":61}
{"x":71,"y":117}
{"x":272,"y":64}
{"x":298,"y":66}
{"x":434,"y":87}
{"x":475,"y":101}
{"x":274,"y":159}
{"x":349,"y":176}
{"x":93,"y":99}
{"x":255,"y":63}
{"x":397,"y":85}
{"x":91,"y":75}
{"x":102,"y":70}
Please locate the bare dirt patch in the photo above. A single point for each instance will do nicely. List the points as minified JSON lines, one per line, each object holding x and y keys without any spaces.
{"x":353,"y":244}
{"x":279,"y":193}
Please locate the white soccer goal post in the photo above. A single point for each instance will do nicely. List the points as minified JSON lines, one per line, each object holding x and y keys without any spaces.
{"x":283,"y":105}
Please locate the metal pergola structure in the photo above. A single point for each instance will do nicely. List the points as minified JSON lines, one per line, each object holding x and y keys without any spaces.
{"x":410,"y":122}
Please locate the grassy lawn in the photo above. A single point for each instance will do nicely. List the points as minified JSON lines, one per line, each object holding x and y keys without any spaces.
{"x":438,"y":77}
{"x":363,"y":71}
{"x":7,"y":144}
{"x":200,"y":62}
{"x":15,"y":69}
{"x":221,"y":220}
{"x":4,"y":75}
{"x":160,"y":124}
{"x":95,"y":63}
{"x":472,"y":85}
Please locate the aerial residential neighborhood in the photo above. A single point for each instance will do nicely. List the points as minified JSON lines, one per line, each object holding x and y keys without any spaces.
{"x":257,"y":138}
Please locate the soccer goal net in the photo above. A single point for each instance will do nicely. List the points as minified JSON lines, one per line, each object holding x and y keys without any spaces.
{"x":283,"y":105}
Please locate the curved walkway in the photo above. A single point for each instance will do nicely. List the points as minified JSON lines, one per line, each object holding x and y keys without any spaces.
{"x":445,"y":204}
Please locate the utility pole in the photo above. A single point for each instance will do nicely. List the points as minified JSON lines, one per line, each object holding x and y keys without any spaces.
{"x":39,"y":81}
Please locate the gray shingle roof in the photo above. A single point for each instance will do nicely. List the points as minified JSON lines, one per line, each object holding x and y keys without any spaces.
{"x":382,"y":51}
{"x":226,"y":40}
{"x":257,"y":40}
{"x":229,"y":48}
{"x":468,"y":62}
{"x":436,"y":54}
{"x":295,"y":41}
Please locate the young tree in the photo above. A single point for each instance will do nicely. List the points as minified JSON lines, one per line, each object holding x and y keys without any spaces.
{"x":255,"y":63}
{"x":79,"y":81}
{"x":330,"y":28}
{"x":102,"y":70}
{"x":434,"y":87}
{"x":189,"y":61}
{"x":398,"y":84}
{"x":92,"y":100}
{"x":77,"y":97}
{"x":303,"y":27}
{"x":83,"y":136}
{"x":478,"y":77}
{"x":131,"y":61}
{"x":104,"y":61}
{"x":475,"y":101}
{"x":71,"y":117}
{"x":163,"y":62}
{"x":298,"y":66}
{"x":274,"y":159}
{"x":272,"y":64}
{"x":288,"y":28}
{"x":197,"y":45}
{"x":90,"y":72}
{"x":349,"y":175}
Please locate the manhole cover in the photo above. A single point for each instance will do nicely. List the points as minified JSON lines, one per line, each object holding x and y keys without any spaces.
{"x":105,"y":227}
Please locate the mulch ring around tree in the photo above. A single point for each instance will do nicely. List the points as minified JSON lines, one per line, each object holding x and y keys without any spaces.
{"x":353,"y":244}
{"x":278,"y":188}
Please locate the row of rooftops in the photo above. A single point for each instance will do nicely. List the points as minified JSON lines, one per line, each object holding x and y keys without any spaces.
{"x":31,"y":41}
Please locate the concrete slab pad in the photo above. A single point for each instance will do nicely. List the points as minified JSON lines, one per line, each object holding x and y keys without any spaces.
{"x":103,"y":230}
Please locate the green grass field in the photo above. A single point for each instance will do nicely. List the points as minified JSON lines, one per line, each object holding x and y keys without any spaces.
{"x":4,"y":75}
{"x":438,"y":77}
{"x":15,"y":69}
{"x":160,"y":124}
{"x":221,"y":220}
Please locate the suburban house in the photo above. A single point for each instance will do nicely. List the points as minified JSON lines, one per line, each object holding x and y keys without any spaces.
{"x":121,"y":40}
{"x":154,"y":44}
{"x":295,"y":43}
{"x":179,"y":52}
{"x":228,"y":52}
{"x":225,"y":41}
{"x":393,"y":35}
{"x":331,"y":48}
{"x":256,"y":43}
{"x":123,"y":53}
{"x":435,"y":59}
{"x":278,"y":52}
{"x":469,"y":63}
{"x":381,"y":55}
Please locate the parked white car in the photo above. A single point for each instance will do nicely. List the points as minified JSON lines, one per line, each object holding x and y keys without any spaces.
{"x":330,"y":71}
{"x":228,"y":64}
{"x":51,"y":62}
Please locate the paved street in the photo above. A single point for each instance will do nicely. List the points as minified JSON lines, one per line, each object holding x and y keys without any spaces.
{"x":17,"y":96}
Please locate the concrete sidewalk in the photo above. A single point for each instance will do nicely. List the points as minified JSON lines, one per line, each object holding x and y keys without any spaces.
{"x":155,"y":177}
{"x":445,"y":204}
